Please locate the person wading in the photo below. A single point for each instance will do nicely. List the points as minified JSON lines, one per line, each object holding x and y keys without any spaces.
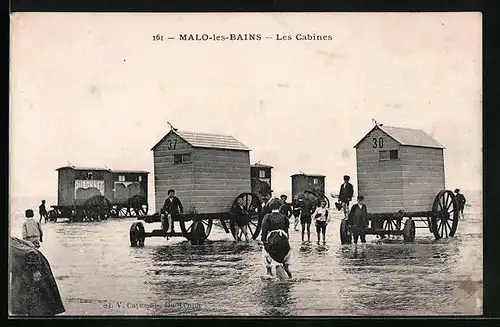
{"x":345,"y":195}
{"x":306,"y":210}
{"x":32,"y":230}
{"x":461,"y":201}
{"x":239,"y":214}
{"x":285,"y":208}
{"x":358,"y":220}
{"x":276,"y":250}
{"x":171,"y":207}
{"x":321,"y":220}
{"x":296,"y":204}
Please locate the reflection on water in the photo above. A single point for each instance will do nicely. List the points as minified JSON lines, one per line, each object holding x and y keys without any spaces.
{"x":100,"y":274}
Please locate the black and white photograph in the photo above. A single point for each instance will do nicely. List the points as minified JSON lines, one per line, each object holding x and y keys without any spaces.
{"x":245,"y":164}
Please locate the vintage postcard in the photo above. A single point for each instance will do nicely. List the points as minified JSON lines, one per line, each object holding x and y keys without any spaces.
{"x":246,"y":164}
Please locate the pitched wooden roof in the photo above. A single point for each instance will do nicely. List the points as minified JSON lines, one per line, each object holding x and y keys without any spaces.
{"x":104,"y":169}
{"x":258,"y":165}
{"x":407,"y":137}
{"x":208,"y":140}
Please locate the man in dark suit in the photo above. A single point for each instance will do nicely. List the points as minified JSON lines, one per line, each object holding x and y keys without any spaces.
{"x":358,"y":220}
{"x":345,"y":195}
{"x":171,"y":207}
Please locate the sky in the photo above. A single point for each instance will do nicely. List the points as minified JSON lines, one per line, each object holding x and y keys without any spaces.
{"x":96,"y":90}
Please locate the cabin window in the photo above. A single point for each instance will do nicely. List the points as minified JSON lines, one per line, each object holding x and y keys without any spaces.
{"x":315,"y":181}
{"x":388,"y":155}
{"x":182,"y":158}
{"x":121,"y":178}
{"x":262,"y":173}
{"x":139,"y":178}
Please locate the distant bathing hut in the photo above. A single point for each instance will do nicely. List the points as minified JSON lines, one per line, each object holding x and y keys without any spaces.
{"x":261,"y":180}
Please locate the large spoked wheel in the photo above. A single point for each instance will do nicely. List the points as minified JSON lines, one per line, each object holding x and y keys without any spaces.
{"x":138,"y":205}
{"x":409,"y":231}
{"x":345,"y":233}
{"x":137,"y":235}
{"x":253,"y":206}
{"x":194,"y":230}
{"x":445,"y":215}
{"x":97,"y":208}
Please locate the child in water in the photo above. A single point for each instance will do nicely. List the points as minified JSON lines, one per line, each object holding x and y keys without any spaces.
{"x":321,"y":220}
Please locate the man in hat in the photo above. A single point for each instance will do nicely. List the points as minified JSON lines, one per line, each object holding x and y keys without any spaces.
{"x":32,"y":230}
{"x":42,"y":211}
{"x":306,"y":211}
{"x":460,"y":201}
{"x":285,"y":208}
{"x":358,"y":220}
{"x":345,"y":195}
{"x":171,"y":207}
{"x":276,"y":250}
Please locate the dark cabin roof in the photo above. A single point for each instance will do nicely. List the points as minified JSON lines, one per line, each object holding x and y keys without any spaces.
{"x":207,"y":140}
{"x":407,"y":137}
{"x":258,"y":165}
{"x":104,"y":169}
{"x":307,"y":175}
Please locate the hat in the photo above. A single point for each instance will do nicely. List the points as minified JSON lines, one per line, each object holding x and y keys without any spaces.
{"x":284,"y":195}
{"x":347,"y":176}
{"x":322,"y":200}
{"x":457,"y":190}
{"x":29,"y":213}
{"x":361,"y":197}
{"x":338,"y":205}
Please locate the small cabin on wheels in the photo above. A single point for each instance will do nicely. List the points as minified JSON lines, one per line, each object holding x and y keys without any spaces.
{"x":207,"y":171}
{"x":260,"y":176}
{"x":314,"y":183}
{"x":399,"y":169}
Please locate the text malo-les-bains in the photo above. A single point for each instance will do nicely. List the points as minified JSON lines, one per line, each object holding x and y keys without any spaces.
{"x":253,"y":37}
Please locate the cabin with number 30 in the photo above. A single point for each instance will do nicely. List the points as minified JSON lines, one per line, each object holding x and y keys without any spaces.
{"x":399,"y":169}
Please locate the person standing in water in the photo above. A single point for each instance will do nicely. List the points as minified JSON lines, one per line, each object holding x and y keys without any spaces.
{"x":276,"y":250}
{"x":358,"y":218}
{"x":32,"y":230}
{"x":296,"y":204}
{"x":239,"y":214}
{"x":321,"y":220}
{"x":306,"y":210}
{"x":285,"y":208}
{"x":461,"y":202}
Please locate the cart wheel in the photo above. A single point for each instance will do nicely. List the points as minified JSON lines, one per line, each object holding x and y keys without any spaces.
{"x":52,"y":215}
{"x":123,"y":210}
{"x":114,"y":212}
{"x":390,"y":224}
{"x":409,"y":231}
{"x":445,"y":215}
{"x":254,"y":218}
{"x":196,"y":231}
{"x":345,"y":234}
{"x":137,"y":235}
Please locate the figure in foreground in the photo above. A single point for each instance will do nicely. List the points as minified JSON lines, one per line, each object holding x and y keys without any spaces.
{"x":276,"y":251}
{"x":172,"y":206}
{"x":33,"y":288}
{"x":306,"y":210}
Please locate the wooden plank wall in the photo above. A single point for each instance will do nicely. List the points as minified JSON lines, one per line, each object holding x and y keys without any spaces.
{"x":168,"y":175}
{"x":423,"y":177}
{"x":219,"y":177}
{"x":380,"y":182}
{"x":300,"y":183}
{"x":66,"y":187}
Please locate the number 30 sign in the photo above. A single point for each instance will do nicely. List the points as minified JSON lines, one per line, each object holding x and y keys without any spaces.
{"x":378,"y":143}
